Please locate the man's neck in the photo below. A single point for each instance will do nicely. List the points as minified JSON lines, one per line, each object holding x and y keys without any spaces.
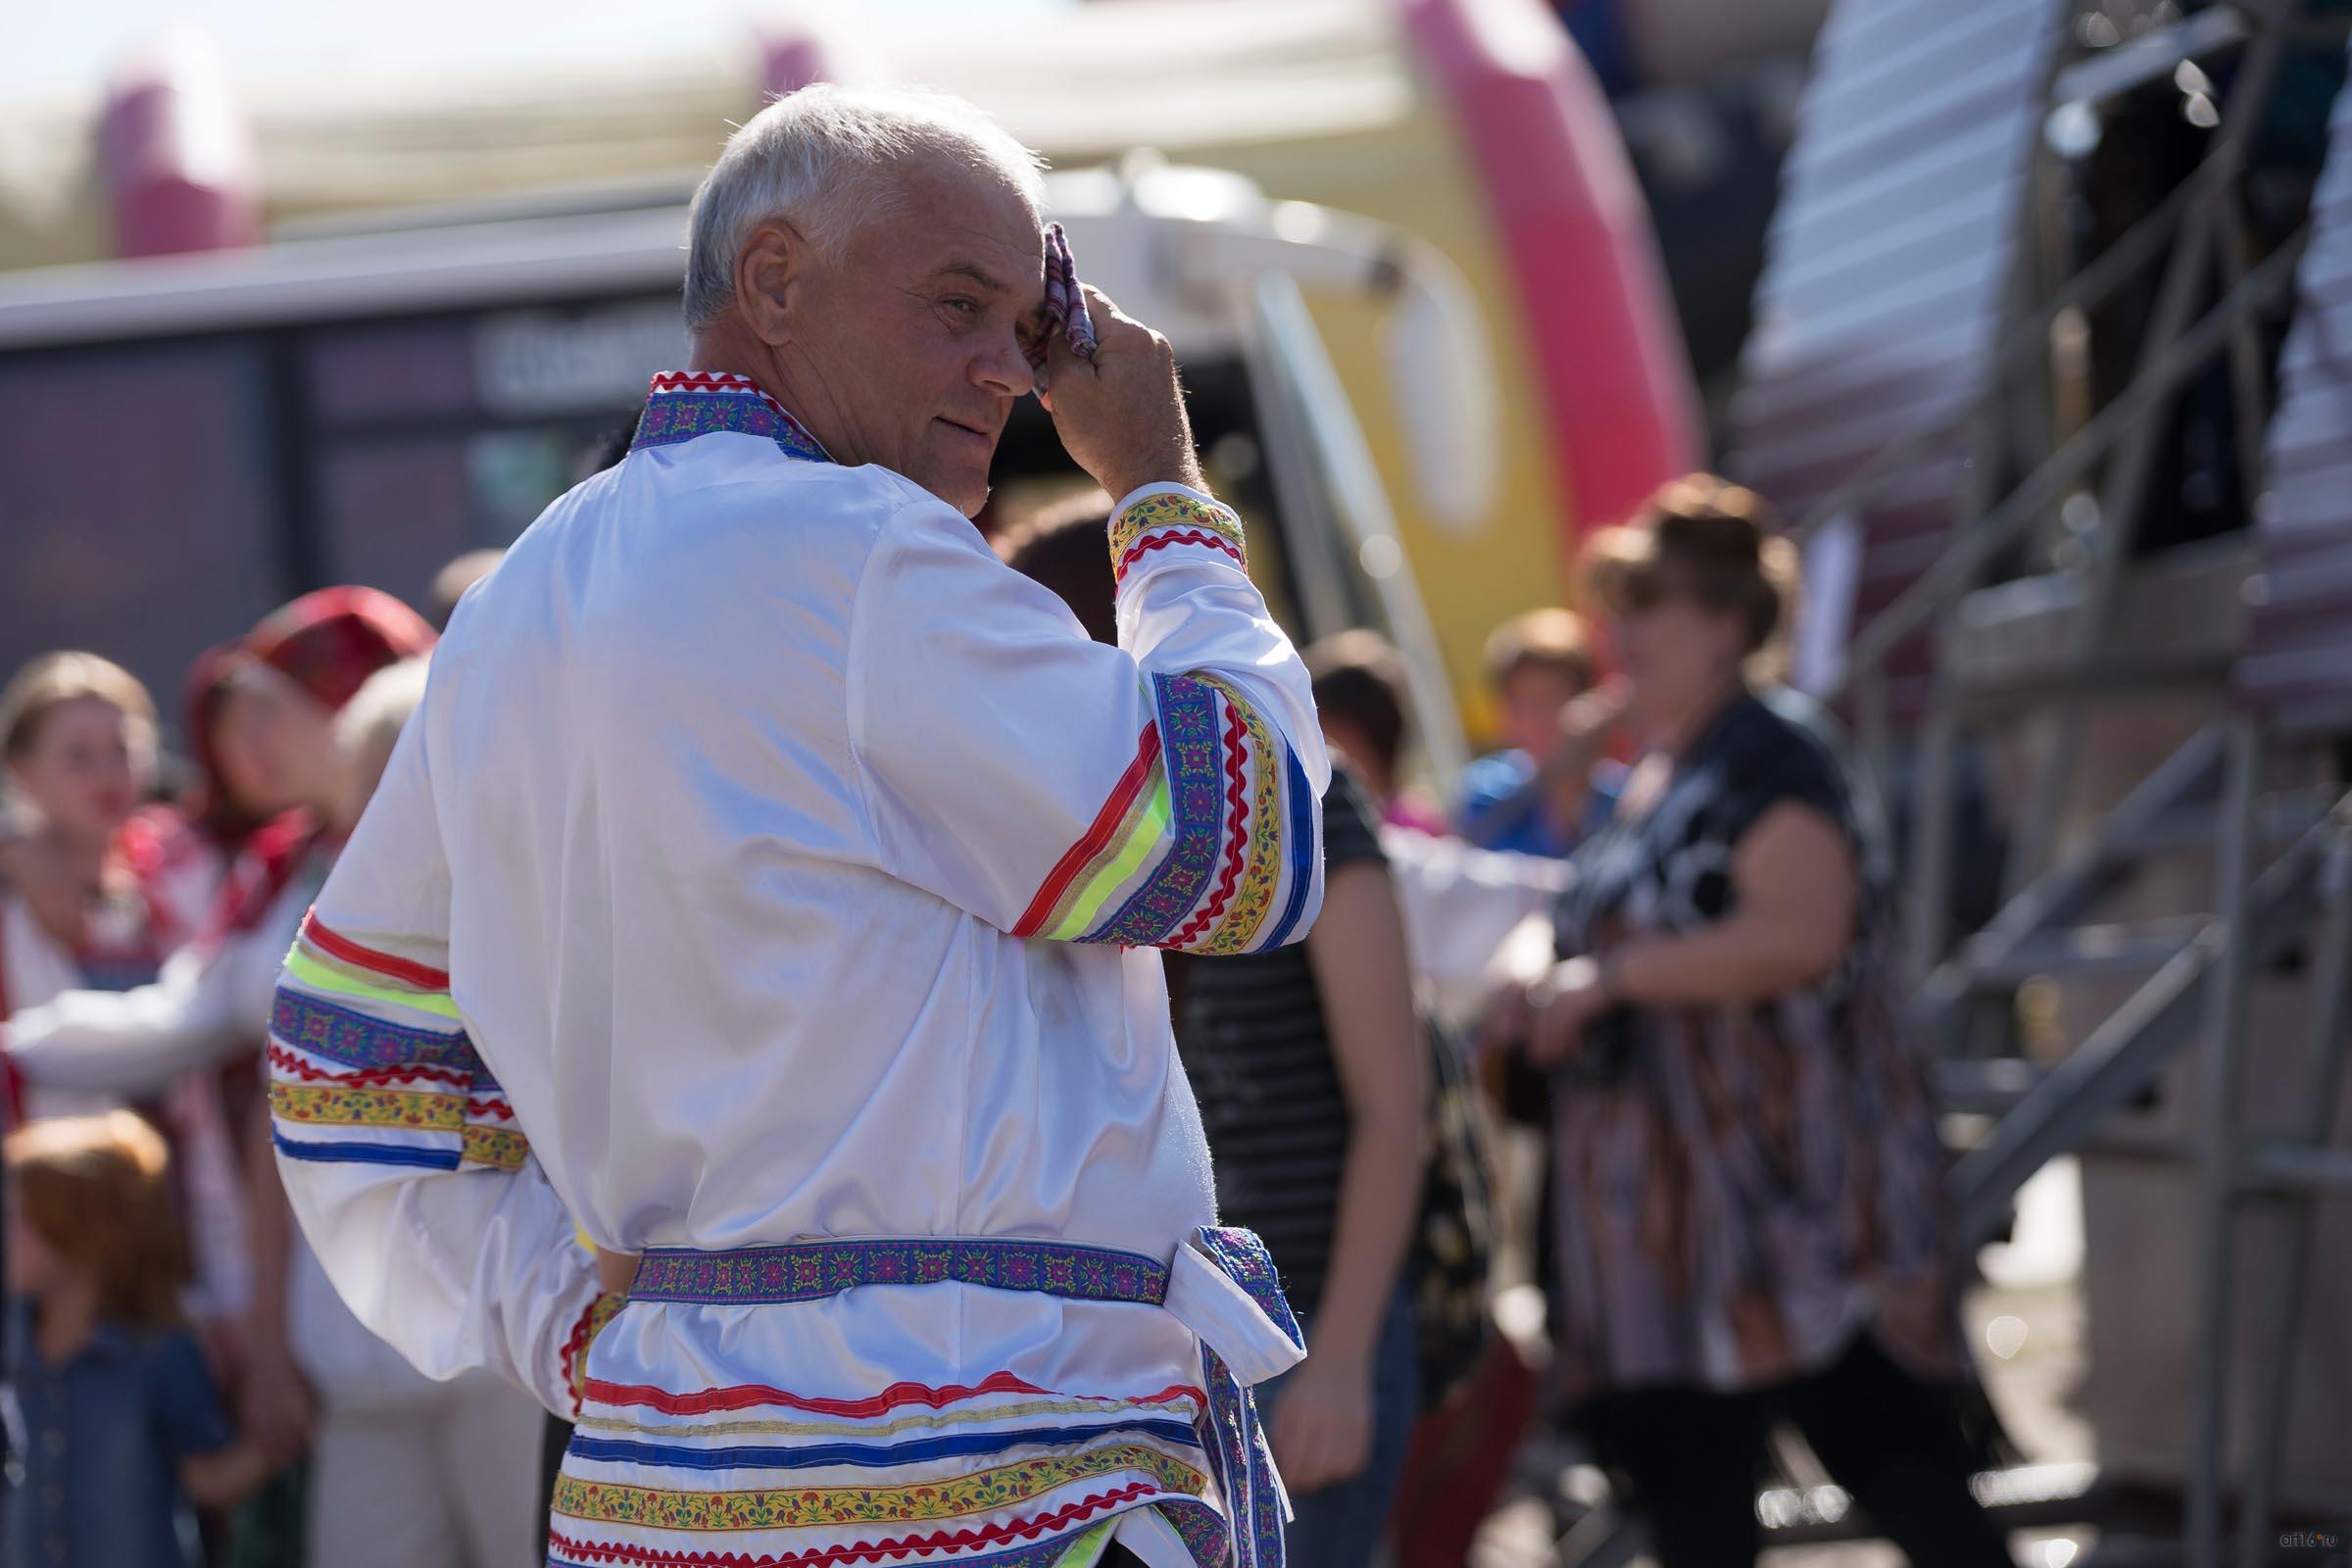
{"x":727,"y":347}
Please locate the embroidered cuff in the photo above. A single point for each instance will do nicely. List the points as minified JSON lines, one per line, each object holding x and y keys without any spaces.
{"x":1171,"y":518}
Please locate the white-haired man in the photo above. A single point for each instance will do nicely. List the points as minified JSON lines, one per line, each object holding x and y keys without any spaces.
{"x":765,"y":882}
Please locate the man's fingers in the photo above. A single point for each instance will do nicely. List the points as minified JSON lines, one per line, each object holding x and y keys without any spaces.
{"x":1060,"y":365}
{"x":1116,"y":332}
{"x":1312,"y":1448}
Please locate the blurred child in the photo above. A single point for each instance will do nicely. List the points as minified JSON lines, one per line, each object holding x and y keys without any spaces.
{"x":119,"y":1425}
{"x":1550,"y":786}
{"x":77,"y":755}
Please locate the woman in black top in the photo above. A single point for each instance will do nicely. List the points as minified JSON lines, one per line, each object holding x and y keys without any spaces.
{"x":1747,"y":1175}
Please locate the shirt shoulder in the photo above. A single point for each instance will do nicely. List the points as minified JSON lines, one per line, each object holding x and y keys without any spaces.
{"x":1781,"y":747}
{"x":686,"y":552}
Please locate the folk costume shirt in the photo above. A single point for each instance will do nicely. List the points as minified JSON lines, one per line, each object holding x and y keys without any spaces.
{"x":766,"y":863}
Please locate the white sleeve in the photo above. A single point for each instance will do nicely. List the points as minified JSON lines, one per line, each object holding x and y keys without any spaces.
{"x":1460,"y":902}
{"x":1164,"y":792}
{"x":400,"y":1154}
{"x":136,"y":1042}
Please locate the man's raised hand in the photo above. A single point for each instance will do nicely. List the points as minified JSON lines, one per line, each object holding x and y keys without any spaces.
{"x":1120,"y":415}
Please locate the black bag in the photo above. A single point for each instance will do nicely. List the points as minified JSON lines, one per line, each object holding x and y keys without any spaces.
{"x":1454,"y":1244}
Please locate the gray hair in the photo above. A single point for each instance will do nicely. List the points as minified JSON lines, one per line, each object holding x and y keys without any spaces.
{"x":821,"y":158}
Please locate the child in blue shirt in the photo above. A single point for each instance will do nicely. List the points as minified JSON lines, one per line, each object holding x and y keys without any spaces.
{"x":1550,"y":788}
{"x":117,"y":1430}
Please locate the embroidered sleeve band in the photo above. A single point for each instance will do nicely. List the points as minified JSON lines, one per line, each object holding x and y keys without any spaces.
{"x":1170,"y":520}
{"x":369,"y":1064}
{"x":1206,"y":843}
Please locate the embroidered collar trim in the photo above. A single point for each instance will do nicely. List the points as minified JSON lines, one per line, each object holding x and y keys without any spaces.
{"x":681,"y":405}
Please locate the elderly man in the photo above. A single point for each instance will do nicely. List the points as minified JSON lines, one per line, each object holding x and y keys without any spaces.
{"x":765,"y":884}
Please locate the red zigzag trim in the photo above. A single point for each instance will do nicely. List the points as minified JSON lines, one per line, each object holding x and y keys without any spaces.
{"x":281,"y":1057}
{"x":375,"y":1076}
{"x":703,"y":381}
{"x":581,"y":1333}
{"x":718,"y":381}
{"x":746,"y":1395}
{"x":1237,"y":822}
{"x":859,"y":1551}
{"x":1166,"y":537}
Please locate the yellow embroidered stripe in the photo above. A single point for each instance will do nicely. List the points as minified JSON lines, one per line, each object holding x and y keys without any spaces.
{"x":1146,"y":830}
{"x":795,"y":1507}
{"x":306,"y":965}
{"x":1267,"y":826}
{"x":406,"y":1110}
{"x":496,"y":1147}
{"x":926,"y":1420}
{"x":336,"y":1105}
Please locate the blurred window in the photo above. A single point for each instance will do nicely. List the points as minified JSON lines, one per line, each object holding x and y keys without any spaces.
{"x":136,"y":509}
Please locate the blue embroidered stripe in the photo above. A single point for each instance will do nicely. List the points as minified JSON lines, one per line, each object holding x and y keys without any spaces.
{"x":962,"y":1444}
{"x":367,"y":1153}
{"x":1302,"y":848}
{"x":355,"y":1040}
{"x":1242,"y":1256}
{"x":810,"y":1271}
{"x":1189,"y":750}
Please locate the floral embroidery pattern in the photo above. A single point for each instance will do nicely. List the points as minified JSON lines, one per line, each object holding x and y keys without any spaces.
{"x":683,"y":405}
{"x":810,"y":1271}
{"x":1158,"y":521}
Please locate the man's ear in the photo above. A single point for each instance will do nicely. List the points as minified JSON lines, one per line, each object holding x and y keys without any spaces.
{"x":770,"y":272}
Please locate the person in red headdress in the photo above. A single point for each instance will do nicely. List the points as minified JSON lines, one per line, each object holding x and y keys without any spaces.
{"x":293,"y":673}
{"x":181,"y":850}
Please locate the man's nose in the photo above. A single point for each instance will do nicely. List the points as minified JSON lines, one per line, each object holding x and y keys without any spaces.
{"x":1004,"y":368}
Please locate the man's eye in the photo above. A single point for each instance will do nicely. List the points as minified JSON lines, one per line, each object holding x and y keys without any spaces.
{"x":967,"y":307}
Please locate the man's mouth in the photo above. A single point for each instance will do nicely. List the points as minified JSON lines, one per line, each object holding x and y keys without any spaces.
{"x":979,"y":432}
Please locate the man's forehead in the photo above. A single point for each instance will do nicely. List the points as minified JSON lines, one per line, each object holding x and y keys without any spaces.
{"x":985,"y":258}
{"x":974,"y":218}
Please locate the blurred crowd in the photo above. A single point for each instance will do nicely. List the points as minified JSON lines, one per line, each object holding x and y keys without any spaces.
{"x":1653,"y":930}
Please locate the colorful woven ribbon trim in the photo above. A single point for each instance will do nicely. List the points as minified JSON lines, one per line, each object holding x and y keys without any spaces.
{"x":810,"y":1271}
{"x":681,"y":405}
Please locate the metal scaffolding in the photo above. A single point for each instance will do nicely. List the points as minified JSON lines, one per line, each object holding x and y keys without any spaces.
{"x":2282,"y":855}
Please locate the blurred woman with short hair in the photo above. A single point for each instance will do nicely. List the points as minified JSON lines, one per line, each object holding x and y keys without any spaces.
{"x":1749,"y":1214}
